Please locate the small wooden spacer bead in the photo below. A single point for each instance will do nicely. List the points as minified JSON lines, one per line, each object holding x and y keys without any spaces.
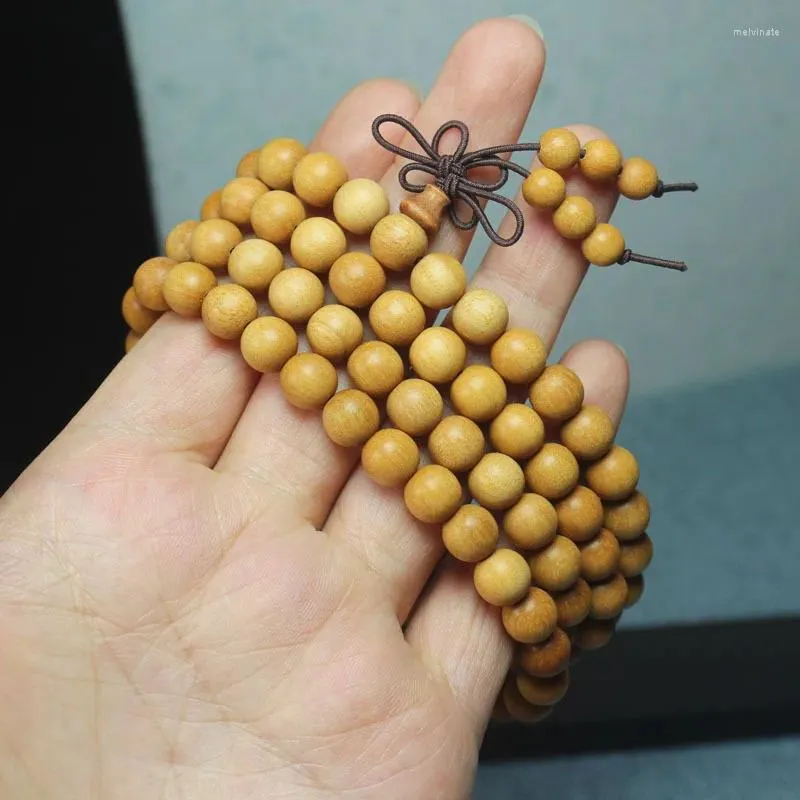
{"x":248,"y":165}
{"x":148,"y":282}
{"x":227,"y":310}
{"x":503,"y":578}
{"x":212,"y":242}
{"x":592,"y":634}
{"x":316,"y":243}
{"x":267,"y":343}
{"x":471,"y":534}
{"x":437,"y":355}
{"x":210,"y":208}
{"x":519,"y":356}
{"x":350,"y":418}
{"x":277,"y":160}
{"x":543,"y":691}
{"x":375,"y":368}
{"x":496,"y":481}
{"x":557,"y":394}
{"x":531,"y":522}
{"x":638,"y":179}
{"x":556,"y":566}
{"x":254,"y":263}
{"x":415,"y":407}
{"x":589,"y":434}
{"x":397,"y":317}
{"x":275,"y":215}
{"x":547,"y":658}
{"x":600,"y":556}
{"x":356,"y":279}
{"x":553,"y":472}
{"x":295,"y":294}
{"x":308,"y":381}
{"x":608,"y":597}
{"x":176,"y":245}
{"x":580,"y":514}
{"x":398,"y":242}
{"x":517,"y":431}
{"x":317,"y":177}
{"x":628,"y":518}
{"x":456,"y":443}
{"x":532,"y":619}
{"x":574,"y":604}
{"x":635,"y":556}
{"x":390,"y":457}
{"x":544,"y":189}
{"x":138,"y":317}
{"x":237,"y":199}
{"x":575,"y":218}
{"x":185,"y":287}
{"x":478,"y":393}
{"x":438,"y":280}
{"x":615,"y":475}
{"x":604,"y":245}
{"x":433,"y":494}
{"x":359,"y":204}
{"x":334,"y":331}
{"x":426,"y":208}
{"x":480,"y":317}
{"x":601,"y":160}
{"x":559,"y":149}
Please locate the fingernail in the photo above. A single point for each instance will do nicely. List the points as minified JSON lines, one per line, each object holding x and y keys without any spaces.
{"x":530,"y":22}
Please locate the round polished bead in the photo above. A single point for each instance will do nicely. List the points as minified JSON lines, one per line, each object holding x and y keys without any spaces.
{"x":478,"y":393}
{"x":456,"y":443}
{"x":635,"y":590}
{"x":375,"y":368}
{"x":553,"y":472}
{"x":210,"y":208}
{"x":471,"y":534}
{"x":185,"y":287}
{"x":237,"y":199}
{"x":148,"y":282}
{"x":600,"y":556}
{"x":415,"y":407}
{"x":397,"y":317}
{"x":601,"y":160}
{"x":559,"y":149}
{"x":277,"y":160}
{"x":334,"y":331}
{"x":557,"y":394}
{"x":543,"y":691}
{"x":275,"y":216}
{"x":433,"y":494}
{"x":437,"y":355}
{"x":390,"y":457}
{"x":227,"y":310}
{"x":254,"y":263}
{"x":131,"y":340}
{"x":295,"y":294}
{"x":308,"y":380}
{"x":556,"y":566}
{"x":519,"y":356}
{"x":138,"y":317}
{"x":503,"y":578}
{"x":547,"y":658}
{"x":604,"y":245}
{"x":608,"y":597}
{"x":356,"y":279}
{"x":519,"y":708}
{"x":573,"y":605}
{"x":317,"y":177}
{"x":544,"y":188}
{"x":532,"y":619}
{"x":575,"y":218}
{"x":267,"y":343}
{"x":615,"y":475}
{"x":480,"y":317}
{"x":176,"y":245}
{"x":589,"y":434}
{"x":580,"y":514}
{"x":592,"y":634}
{"x":248,"y":165}
{"x":531,"y":522}
{"x":638,"y":179}
{"x":496,"y":481}
{"x":316,"y":243}
{"x":350,"y":417}
{"x":628,"y":518}
{"x":517,"y":431}
{"x":438,"y":281}
{"x":212,"y":242}
{"x":635,"y":556}
{"x":398,"y":242}
{"x":359,"y":204}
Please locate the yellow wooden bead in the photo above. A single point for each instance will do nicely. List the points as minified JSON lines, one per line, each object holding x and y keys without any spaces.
{"x":433,"y":494}
{"x":212,"y":242}
{"x":628,"y":518}
{"x":176,"y":245}
{"x":138,"y":317}
{"x":480,"y":317}
{"x":575,"y":218}
{"x":248,"y":165}
{"x":496,"y":481}
{"x":503,"y":578}
{"x":635,"y":556}
{"x":317,"y":177}
{"x":254,"y":263}
{"x":350,"y":417}
{"x":334,"y":331}
{"x":531,"y":620}
{"x":275,"y":215}
{"x":375,"y":368}
{"x":478,"y":393}
{"x":638,"y":179}
{"x":573,"y":604}
{"x":599,"y":556}
{"x":415,"y":407}
{"x":316,"y":243}
{"x":390,"y":457}
{"x":356,"y":279}
{"x":531,"y":522}
{"x":131,"y":340}
{"x":593,"y":634}
{"x":308,"y":380}
{"x":547,"y":658}
{"x":471,"y":534}
{"x":185,"y":287}
{"x":580,"y":514}
{"x":604,"y":245}
{"x":359,"y":204}
{"x":456,"y":443}
{"x":601,"y":160}
{"x":227,"y":310}
{"x":438,"y":280}
{"x":267,"y":343}
{"x":519,"y":356}
{"x":543,"y":691}
{"x":397,"y":317}
{"x":559,"y":149}
{"x":557,"y":393}
{"x":608,"y":597}
{"x":517,"y":431}
{"x":615,"y":475}
{"x":295,"y":294}
{"x":148,"y":282}
{"x":519,"y":708}
{"x":237,"y":199}
{"x":398,"y":242}
{"x":437,"y":355}
{"x":589,"y":434}
{"x":277,"y":160}
{"x":636,"y":586}
{"x":210,"y":208}
{"x":556,"y":566}
{"x":553,"y":472}
{"x":544,"y":188}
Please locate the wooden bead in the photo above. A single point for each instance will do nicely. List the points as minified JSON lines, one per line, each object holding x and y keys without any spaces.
{"x":580,"y":514}
{"x":635,"y":556}
{"x":592,"y":634}
{"x":471,"y":534}
{"x":532,"y":619}
{"x":615,"y":475}
{"x":478,"y":393}
{"x":557,"y":393}
{"x":390,"y":457}
{"x":267,"y":343}
{"x":599,"y":556}
{"x":148,"y":282}
{"x":176,"y":245}
{"x":131,"y":340}
{"x":553,"y":472}
{"x":295,"y":294}
{"x":589,"y":434}
{"x":480,"y":317}
{"x":503,"y":578}
{"x":559,"y":149}
{"x":438,"y":281}
{"x":308,"y":380}
{"x":519,"y":708}
{"x":556,"y":566}
{"x":547,"y":658}
{"x":359,"y":204}
{"x":350,"y":417}
{"x":437,"y":355}
{"x":356,"y":279}
{"x":210,"y":207}
{"x":517,"y":431}
{"x":317,"y":177}
{"x":254,"y":263}
{"x":375,"y":368}
{"x":543,"y":691}
{"x":138,"y":317}
{"x":316,"y":243}
{"x":415,"y":407}
{"x":519,"y":356}
{"x":638,"y":179}
{"x":212,"y":242}
{"x":608,"y":597}
{"x":604,"y":245}
{"x":636,"y":586}
{"x":397,"y":317}
{"x":398,"y":242}
{"x":227,"y":310}
{"x":573,"y":605}
{"x":433,"y":494}
{"x":248,"y":165}
{"x":575,"y":218}
{"x":277,"y":160}
{"x":628,"y":518}
{"x":544,"y":189}
{"x":456,"y":443}
{"x":237,"y":199}
{"x":601,"y":160}
{"x":185,"y":287}
{"x":496,"y":481}
{"x":334,"y":331}
{"x":531,"y":522}
{"x":275,"y":215}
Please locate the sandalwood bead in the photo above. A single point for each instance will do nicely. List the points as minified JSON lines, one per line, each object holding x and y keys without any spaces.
{"x":557,"y":394}
{"x":397,"y":318}
{"x":638,"y":179}
{"x":519,"y":356}
{"x":390,"y":457}
{"x":438,"y":280}
{"x":559,"y":149}
{"x":517,"y":431}
{"x":574,"y":604}
{"x":317,"y":177}
{"x":547,"y":658}
{"x":615,"y":475}
{"x":398,"y":242}
{"x":237,"y":199}
{"x":604,"y":245}
{"x":478,"y":393}
{"x":316,"y":243}
{"x":334,"y":331}
{"x":456,"y":443}
{"x":308,"y":380}
{"x":600,"y":556}
{"x":519,"y":708}
{"x":471,"y":534}
{"x":608,"y":597}
{"x":350,"y":417}
{"x":503,"y":578}
{"x":433,"y":494}
{"x":592,"y":634}
{"x":375,"y":368}
{"x":496,"y":481}
{"x":415,"y":407}
{"x":437,"y":355}
{"x":212,"y":242}
{"x":553,"y":472}
{"x":295,"y":294}
{"x":575,"y":218}
{"x":480,"y":317}
{"x":254,"y":263}
{"x":531,"y":522}
{"x":148,"y":282}
{"x":138,"y":317}
{"x":635,"y":590}
{"x":635,"y":556}
{"x":532,"y":619}
{"x":275,"y":216}
{"x":359,"y":204}
{"x":556,"y":566}
{"x":210,"y":207}
{"x":248,"y":165}
{"x":601,"y":160}
{"x":543,"y":691}
{"x":277,"y":160}
{"x":628,"y":518}
{"x":176,"y":245}
{"x":580,"y":514}
{"x":267,"y":343}
{"x":131,"y":340}
{"x":185,"y":287}
{"x":227,"y":310}
{"x":356,"y":279}
{"x":544,"y":189}
{"x":589,"y":434}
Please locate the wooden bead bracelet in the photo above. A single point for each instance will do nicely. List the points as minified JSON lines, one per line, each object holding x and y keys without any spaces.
{"x":525,"y":480}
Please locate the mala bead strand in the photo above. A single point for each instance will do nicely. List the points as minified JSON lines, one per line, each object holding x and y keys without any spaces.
{"x":390,"y":457}
{"x":544,"y":189}
{"x":573,"y":604}
{"x":415,"y":407}
{"x":589,"y":434}
{"x":185,"y":287}
{"x":531,"y":523}
{"x":227,"y":310}
{"x":559,"y":149}
{"x":478,"y":393}
{"x":237,"y":199}
{"x":608,"y":597}
{"x":308,"y":381}
{"x":212,"y":242}
{"x":433,"y":494}
{"x":635,"y":556}
{"x":519,"y":356}
{"x":615,"y":476}
{"x":267,"y":343}
{"x":600,"y":557}
{"x":503,"y":578}
{"x":456,"y":443}
{"x":375,"y":368}
{"x":316,"y":243}
{"x":277,"y":160}
{"x":543,"y":691}
{"x":397,"y":318}
{"x":350,"y":418}
{"x":248,"y":165}
{"x":131,"y":340}
{"x":359,"y":204}
{"x":604,"y":245}
{"x":580,"y":514}
{"x":601,"y":160}
{"x":148,"y":282}
{"x":592,"y":634}
{"x":398,"y":242}
{"x":480,"y":317}
{"x":334,"y":331}
{"x":176,"y":245}
{"x":254,"y":264}
{"x":547,"y":658}
{"x":575,"y":218}
{"x":437,"y":355}
{"x":211,"y":206}
{"x":471,"y":534}
{"x":553,"y":472}
{"x":356,"y":279}
{"x":295,"y":294}
{"x":275,"y":215}
{"x":628,"y":518}
{"x":557,"y":566}
{"x":557,"y":394}
{"x":531,"y":620}
{"x":635,"y":590}
{"x":638,"y":178}
{"x":496,"y":481}
{"x":317,"y":177}
{"x":139,"y":318}
{"x":517,"y":431}
{"x":438,"y":281}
